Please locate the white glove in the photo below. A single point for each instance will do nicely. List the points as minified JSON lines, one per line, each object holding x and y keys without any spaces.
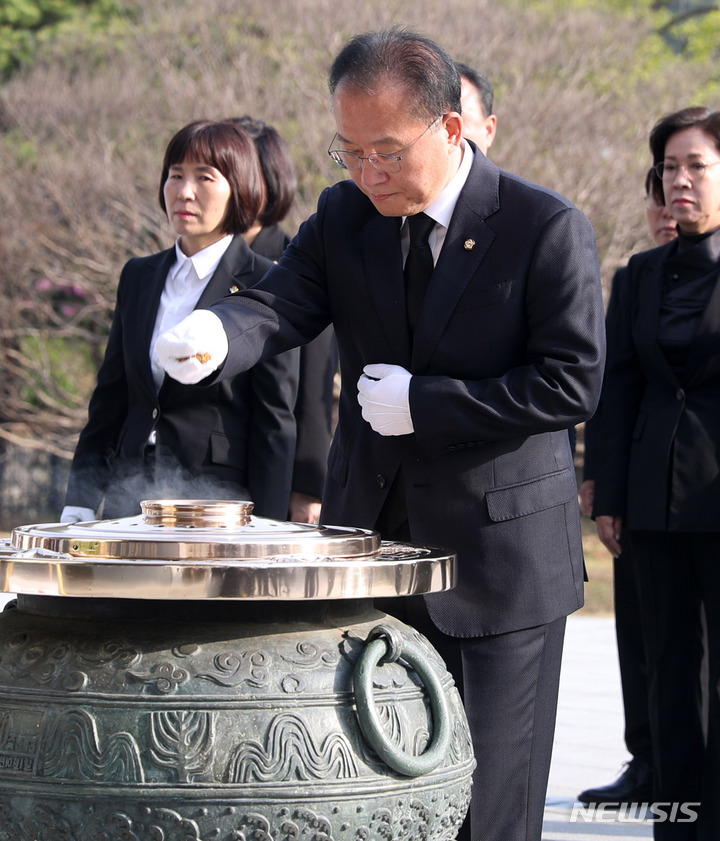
{"x":384,"y":396}
{"x":75,"y":514}
{"x":194,"y":348}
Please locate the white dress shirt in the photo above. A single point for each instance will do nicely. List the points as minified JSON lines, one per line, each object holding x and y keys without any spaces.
{"x":185,"y":282}
{"x":441,"y":210}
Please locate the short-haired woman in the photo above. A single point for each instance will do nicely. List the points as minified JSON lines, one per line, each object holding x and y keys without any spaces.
{"x":658,"y":466}
{"x":147,"y":435}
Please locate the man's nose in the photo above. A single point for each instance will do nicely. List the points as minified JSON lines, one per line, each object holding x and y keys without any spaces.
{"x":370,"y":175}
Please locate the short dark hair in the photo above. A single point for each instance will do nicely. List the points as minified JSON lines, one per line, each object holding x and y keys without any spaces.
{"x":277,"y":168}
{"x":649,"y":179}
{"x":698,"y":117}
{"x":399,"y":54}
{"x":653,"y":186}
{"x":481,"y":83}
{"x":231,"y":150}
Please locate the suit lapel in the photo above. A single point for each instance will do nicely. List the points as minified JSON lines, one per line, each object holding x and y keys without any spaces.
{"x":466,"y":243}
{"x":149,"y":289}
{"x":230,"y":274}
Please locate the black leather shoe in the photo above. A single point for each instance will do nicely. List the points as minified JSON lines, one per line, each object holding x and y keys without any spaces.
{"x":634,"y":785}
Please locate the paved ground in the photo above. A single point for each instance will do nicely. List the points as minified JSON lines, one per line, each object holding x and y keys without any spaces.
{"x":589,"y":748}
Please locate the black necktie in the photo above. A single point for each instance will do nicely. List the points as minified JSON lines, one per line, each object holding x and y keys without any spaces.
{"x":418,"y":265}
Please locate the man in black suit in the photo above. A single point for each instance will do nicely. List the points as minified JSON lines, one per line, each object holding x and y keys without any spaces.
{"x":453,"y":414}
{"x":479,"y":122}
{"x":315,"y":404}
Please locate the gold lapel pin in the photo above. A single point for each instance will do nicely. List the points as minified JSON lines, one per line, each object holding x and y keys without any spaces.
{"x":469,"y":244}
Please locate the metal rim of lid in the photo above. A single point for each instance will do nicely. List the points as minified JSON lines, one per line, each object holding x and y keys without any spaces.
{"x":195,"y":549}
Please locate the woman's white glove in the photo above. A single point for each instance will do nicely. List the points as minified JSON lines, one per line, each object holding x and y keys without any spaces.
{"x":384,"y":396}
{"x":194,"y":348}
{"x":75,"y":514}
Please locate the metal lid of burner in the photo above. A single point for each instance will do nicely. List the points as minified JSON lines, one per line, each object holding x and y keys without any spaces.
{"x":215,"y":549}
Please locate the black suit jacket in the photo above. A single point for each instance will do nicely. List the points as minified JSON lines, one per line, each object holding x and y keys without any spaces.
{"x":508,"y":353}
{"x":315,"y":404}
{"x":658,"y":448}
{"x":233,"y":439}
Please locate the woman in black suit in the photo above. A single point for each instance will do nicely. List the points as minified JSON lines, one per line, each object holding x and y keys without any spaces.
{"x":147,"y":435}
{"x":658,"y":465}
{"x":315,"y":405}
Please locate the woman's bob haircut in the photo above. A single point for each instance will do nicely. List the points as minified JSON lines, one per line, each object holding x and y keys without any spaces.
{"x":229,"y":149}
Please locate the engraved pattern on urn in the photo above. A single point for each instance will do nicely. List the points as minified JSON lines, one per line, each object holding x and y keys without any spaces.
{"x":71,"y":750}
{"x":249,"y":668}
{"x":246,"y":731}
{"x":45,"y":660}
{"x":308,"y":655}
{"x":182,"y":741}
{"x":164,"y":678}
{"x":423,"y":816}
{"x":290,"y":752}
{"x":20,"y":741}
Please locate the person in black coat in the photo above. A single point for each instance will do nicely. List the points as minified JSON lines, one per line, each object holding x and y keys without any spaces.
{"x":476,"y":96}
{"x":634,"y":785}
{"x":657,"y":480}
{"x":453,"y":415}
{"x":148,"y":436}
{"x":314,"y":409}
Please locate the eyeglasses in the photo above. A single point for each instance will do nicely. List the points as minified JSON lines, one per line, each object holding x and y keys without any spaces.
{"x":381,"y":161}
{"x":667,"y":170}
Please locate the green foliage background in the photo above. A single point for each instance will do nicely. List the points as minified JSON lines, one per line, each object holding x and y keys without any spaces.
{"x":92,"y":90}
{"x":26,"y":25}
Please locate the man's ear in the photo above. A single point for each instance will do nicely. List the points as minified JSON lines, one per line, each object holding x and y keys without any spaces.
{"x":490,"y":129}
{"x":452,"y":123}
